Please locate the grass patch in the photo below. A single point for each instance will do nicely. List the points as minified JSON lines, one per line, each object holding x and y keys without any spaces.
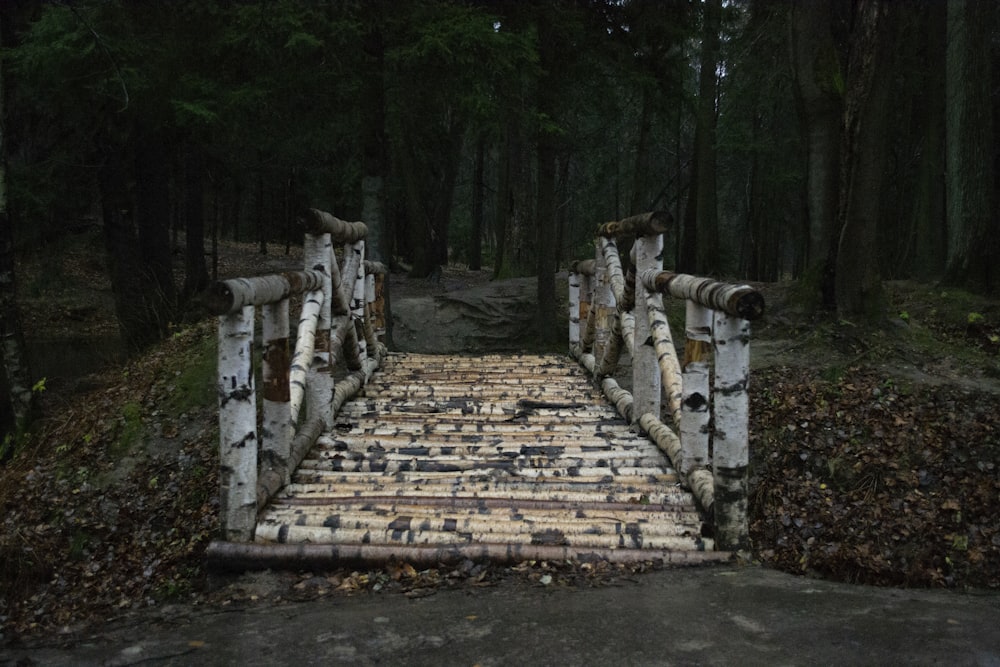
{"x":131,"y":428}
{"x":194,"y":385}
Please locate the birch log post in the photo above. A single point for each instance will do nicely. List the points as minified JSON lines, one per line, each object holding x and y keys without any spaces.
{"x":358,"y":301}
{"x":695,"y":405}
{"x":318,"y":251}
{"x":588,"y":318}
{"x":695,"y":417}
{"x":645,"y":376}
{"x":278,"y":429}
{"x":603,"y":306}
{"x":237,"y":425}
{"x":574,"y":308}
{"x":378,"y":306}
{"x":343,"y":298}
{"x":730,"y":455}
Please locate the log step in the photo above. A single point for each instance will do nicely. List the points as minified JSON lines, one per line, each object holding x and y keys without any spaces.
{"x":496,"y":456}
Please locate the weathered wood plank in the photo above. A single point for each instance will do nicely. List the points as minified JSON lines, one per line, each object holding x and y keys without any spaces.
{"x":235,"y":556}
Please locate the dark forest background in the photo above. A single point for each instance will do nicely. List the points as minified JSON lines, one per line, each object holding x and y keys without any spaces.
{"x":837,"y":143}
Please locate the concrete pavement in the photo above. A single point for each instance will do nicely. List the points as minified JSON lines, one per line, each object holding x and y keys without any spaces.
{"x":720,"y":615}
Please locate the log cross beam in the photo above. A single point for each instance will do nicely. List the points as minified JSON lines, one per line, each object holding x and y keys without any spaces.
{"x":704,"y":416}
{"x":336,"y":307}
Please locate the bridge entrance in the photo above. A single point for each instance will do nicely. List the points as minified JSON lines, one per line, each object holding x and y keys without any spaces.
{"x":430,"y":459}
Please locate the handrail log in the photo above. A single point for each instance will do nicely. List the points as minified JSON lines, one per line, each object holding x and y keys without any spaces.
{"x":341,"y":231}
{"x":585,"y":267}
{"x":225,"y":297}
{"x":739,"y":300}
{"x":645,"y":224}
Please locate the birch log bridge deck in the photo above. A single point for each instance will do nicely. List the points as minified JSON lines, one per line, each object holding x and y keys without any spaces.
{"x":430,"y":459}
{"x":502,"y":457}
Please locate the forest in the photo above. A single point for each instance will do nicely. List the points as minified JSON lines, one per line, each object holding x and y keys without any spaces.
{"x":836,"y":143}
{"x":839,"y":155}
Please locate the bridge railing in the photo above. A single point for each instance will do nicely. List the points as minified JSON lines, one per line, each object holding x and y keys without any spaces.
{"x":704,"y":395}
{"x":341,"y":319}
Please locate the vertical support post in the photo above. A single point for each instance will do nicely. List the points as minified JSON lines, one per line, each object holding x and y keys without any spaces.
{"x":574,"y":309}
{"x":237,"y":426}
{"x":358,"y":301}
{"x":587,"y":313}
{"x":278,"y":430}
{"x":378,"y":306}
{"x":731,"y":449}
{"x":695,"y":405}
{"x":318,"y":252}
{"x":646,"y":384}
{"x":603,"y":305}
{"x":371,"y":337}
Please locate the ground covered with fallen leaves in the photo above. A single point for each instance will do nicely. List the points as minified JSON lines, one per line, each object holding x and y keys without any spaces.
{"x":876,"y":459}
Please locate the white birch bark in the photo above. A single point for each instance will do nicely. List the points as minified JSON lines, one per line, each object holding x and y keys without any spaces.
{"x":730,"y":455}
{"x":695,"y":416}
{"x":628,"y":332}
{"x":229,"y":296}
{"x":305,"y":344}
{"x":666,"y":355}
{"x":358,"y":301}
{"x":587,"y":315}
{"x":321,"y":222}
{"x":343,"y":296}
{"x":740,"y":300}
{"x":278,"y":429}
{"x":613,"y":264}
{"x":603,"y":305}
{"x":318,"y":252}
{"x":646,"y":385}
{"x":574,"y":308}
{"x":237,"y":426}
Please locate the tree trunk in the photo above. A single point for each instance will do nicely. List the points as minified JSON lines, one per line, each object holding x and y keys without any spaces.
{"x":503,"y":203}
{"x":972,"y":238}
{"x":259,"y":205}
{"x":124,"y":264}
{"x":545,"y":207}
{"x":376,"y":161}
{"x":858,"y":284}
{"x":475,"y":251}
{"x":518,"y":257}
{"x":930,"y":231}
{"x":819,"y":87}
{"x":195,"y":274}
{"x":687,"y":257}
{"x":640,"y":199}
{"x":15,"y":361}
{"x":153,"y":226}
{"x":707,"y":212}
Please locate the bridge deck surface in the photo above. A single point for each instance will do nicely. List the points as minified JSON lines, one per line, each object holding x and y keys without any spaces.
{"x":505,"y":457}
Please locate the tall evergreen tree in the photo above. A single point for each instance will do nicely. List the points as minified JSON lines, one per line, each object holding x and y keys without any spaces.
{"x":971,"y":155}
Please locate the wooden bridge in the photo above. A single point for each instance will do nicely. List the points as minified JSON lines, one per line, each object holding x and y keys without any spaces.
{"x":354,"y":453}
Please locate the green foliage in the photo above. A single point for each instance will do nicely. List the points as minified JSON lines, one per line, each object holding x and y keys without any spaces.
{"x":194,"y":385}
{"x":130,"y":427}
